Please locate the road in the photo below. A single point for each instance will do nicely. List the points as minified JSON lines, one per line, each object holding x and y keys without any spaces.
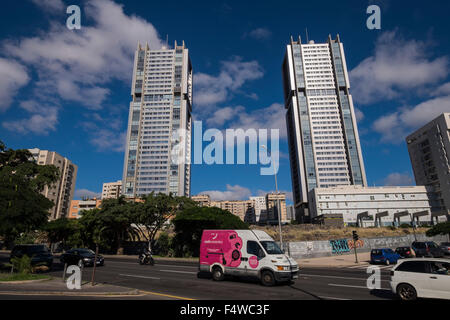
{"x":178,"y":280}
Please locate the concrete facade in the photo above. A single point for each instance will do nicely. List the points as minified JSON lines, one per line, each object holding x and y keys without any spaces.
{"x":386,"y":203}
{"x":158,"y":150}
{"x":323,"y":139}
{"x":61,"y":192}
{"x":429,"y":151}
{"x":276,"y":205}
{"x":76,"y":206}
{"x":112,"y":190}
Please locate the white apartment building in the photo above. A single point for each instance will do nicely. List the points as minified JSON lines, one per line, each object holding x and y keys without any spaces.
{"x":260,"y":208}
{"x":62,"y":191}
{"x":376,"y":206}
{"x":324,"y":146}
{"x":159,"y":125}
{"x":429,"y":150}
{"x":112,"y":190}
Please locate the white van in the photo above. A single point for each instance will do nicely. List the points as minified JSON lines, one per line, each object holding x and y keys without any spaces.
{"x":245,"y":253}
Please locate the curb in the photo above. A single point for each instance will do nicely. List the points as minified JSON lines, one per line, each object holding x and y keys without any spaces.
{"x":72,"y":293}
{"x":24,"y":281}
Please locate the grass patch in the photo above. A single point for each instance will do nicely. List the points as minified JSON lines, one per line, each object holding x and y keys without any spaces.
{"x":8,"y":277}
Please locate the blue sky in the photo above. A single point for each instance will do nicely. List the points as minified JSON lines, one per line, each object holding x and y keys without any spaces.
{"x":69,"y":91}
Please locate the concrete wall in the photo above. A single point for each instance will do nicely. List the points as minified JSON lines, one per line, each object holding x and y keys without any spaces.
{"x":316,"y":249}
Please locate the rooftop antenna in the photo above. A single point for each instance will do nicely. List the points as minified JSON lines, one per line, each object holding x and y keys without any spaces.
{"x":307,"y":38}
{"x":167,"y":40}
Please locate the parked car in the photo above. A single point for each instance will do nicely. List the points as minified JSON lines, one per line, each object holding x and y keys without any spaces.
{"x":405,"y":252}
{"x":421,"y":278}
{"x":385,"y":255}
{"x":445,"y":246}
{"x":81,"y":258}
{"x":39,"y":253}
{"x":427,"y":249}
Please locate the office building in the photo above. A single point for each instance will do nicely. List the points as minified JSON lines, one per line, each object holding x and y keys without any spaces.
{"x":324,"y":146}
{"x":112,"y":190}
{"x":429,"y":151}
{"x":62,"y":191}
{"x":158,"y":150}
{"x":373,"y":206}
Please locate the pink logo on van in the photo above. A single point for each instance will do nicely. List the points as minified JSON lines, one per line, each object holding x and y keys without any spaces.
{"x":221,"y":246}
{"x":253,"y":262}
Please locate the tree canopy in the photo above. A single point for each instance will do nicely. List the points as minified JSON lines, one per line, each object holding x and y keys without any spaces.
{"x":190,"y":223}
{"x":22,"y":206}
{"x":439,"y":229}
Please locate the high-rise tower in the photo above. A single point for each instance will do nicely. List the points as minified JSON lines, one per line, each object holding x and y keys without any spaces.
{"x":323,"y":138}
{"x":158,"y":151}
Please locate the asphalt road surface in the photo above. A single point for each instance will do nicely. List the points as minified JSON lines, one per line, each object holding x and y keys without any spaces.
{"x":179,"y":280}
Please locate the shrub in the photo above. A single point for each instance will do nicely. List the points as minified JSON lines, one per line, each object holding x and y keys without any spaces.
{"x":22,"y":265}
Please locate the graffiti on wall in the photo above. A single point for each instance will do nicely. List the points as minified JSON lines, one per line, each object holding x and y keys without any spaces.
{"x":344,"y":245}
{"x":339,"y":246}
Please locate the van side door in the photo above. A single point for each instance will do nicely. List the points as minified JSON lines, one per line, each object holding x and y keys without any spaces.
{"x":254,"y":255}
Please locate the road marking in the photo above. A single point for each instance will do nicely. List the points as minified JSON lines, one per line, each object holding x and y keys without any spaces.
{"x":333,"y":298}
{"x":335,"y":277}
{"x":348,"y":286}
{"x":357,"y":267}
{"x":177,"y":271}
{"x":165,"y":295}
{"x":161,"y":265}
{"x":136,"y":276}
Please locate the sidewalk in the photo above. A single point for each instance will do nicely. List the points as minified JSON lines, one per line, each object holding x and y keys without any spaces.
{"x":347,"y":260}
{"x":58,"y":287}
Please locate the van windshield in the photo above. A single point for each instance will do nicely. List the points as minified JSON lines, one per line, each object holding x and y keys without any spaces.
{"x":271,"y":247}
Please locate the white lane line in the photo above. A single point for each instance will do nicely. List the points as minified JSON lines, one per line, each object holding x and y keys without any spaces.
{"x":136,"y":276}
{"x":162,"y":265}
{"x":334,"y":277}
{"x":348,"y":286}
{"x":358,"y":267}
{"x":177,"y":271}
{"x":333,"y":298}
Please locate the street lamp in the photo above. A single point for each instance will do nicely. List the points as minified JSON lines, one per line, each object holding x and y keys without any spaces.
{"x":278,"y":198}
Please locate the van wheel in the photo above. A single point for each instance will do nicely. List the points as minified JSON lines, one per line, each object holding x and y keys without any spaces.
{"x":217,"y":274}
{"x":267,"y":278}
{"x":406,"y":292}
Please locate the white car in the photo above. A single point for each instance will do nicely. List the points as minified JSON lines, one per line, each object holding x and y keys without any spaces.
{"x":421,"y":278}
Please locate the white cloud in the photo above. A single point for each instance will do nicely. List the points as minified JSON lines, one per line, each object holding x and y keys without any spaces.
{"x":234,"y":73}
{"x":85,"y":193}
{"x":398,"y":179}
{"x":272,"y":117}
{"x":397,"y":65}
{"x":50,"y":5}
{"x":235,"y":192}
{"x":396,"y":126}
{"x":13,"y":76}
{"x":41,"y":121}
{"x":259,"y":34}
{"x":79,"y":65}
{"x":359,"y":115}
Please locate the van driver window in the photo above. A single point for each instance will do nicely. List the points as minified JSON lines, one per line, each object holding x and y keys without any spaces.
{"x":253,"y":248}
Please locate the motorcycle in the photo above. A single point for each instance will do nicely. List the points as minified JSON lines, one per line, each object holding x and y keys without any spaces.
{"x":146,"y":258}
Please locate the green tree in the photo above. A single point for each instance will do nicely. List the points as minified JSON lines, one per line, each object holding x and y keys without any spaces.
{"x":22,"y":206}
{"x":190,"y":223}
{"x":61,"y":230}
{"x":439,"y":229}
{"x":156,"y":210}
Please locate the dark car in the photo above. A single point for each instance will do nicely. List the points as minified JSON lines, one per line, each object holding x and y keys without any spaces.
{"x":445,"y":246}
{"x":39,"y":253}
{"x":385,"y":255}
{"x":427,"y":249}
{"x":81,"y":258}
{"x":405,"y":252}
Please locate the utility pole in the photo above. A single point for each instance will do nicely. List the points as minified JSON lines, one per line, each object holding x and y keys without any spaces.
{"x":278,"y":199}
